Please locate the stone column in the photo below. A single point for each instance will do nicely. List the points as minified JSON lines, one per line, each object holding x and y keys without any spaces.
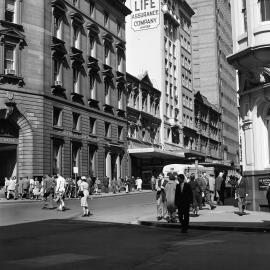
{"x":118,"y":166}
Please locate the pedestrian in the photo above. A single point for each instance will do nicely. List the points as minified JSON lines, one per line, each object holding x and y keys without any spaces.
{"x":220,"y":188}
{"x":16,"y":187}
{"x":139,"y":183}
{"x":207,"y":194}
{"x":7,"y":180}
{"x":36,"y":190}
{"x":132,"y":183}
{"x":25,"y":186}
{"x":241,"y":193}
{"x":60,"y":192}
{"x":106,"y":182}
{"x":183,"y":199}
{"x":196,"y":193}
{"x":127,"y":184}
{"x":161,"y":197}
{"x":153,"y":183}
{"x":201,"y":182}
{"x":49,"y":186}
{"x":31,"y":188}
{"x":119,"y":184}
{"x":20,"y":188}
{"x":11,"y":188}
{"x":268,"y":196}
{"x":170,"y":198}
{"x":114,"y":185}
{"x":84,"y":194}
{"x":211,"y":183}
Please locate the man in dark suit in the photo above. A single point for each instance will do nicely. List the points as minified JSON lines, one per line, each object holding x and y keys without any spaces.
{"x":183,"y":199}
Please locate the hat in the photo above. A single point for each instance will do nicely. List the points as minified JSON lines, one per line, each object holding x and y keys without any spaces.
{"x":83,"y":178}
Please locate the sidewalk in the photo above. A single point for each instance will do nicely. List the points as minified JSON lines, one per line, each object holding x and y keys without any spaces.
{"x":92,"y":196}
{"x":223,"y":218}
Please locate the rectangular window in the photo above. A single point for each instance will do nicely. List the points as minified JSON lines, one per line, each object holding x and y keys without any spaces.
{"x":265,"y":10}
{"x":92,"y":125}
{"x":92,"y":86}
{"x":107,"y":93}
{"x":10,"y":11}
{"x":107,"y":54}
{"x":76,"y":37}
{"x":9,"y":64}
{"x":120,"y":61}
{"x":120,"y":133}
{"x":75,"y":156}
{"x":107,"y":130}
{"x":118,"y":29}
{"x":76,"y":81}
{"x":92,"y":160}
{"x":92,"y":7}
{"x":76,"y":121}
{"x":57,"y":157}
{"x":106,"y":19}
{"x":57,"y":117}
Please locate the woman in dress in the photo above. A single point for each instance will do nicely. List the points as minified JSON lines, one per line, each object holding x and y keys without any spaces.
{"x":84,"y":189}
{"x":36,"y":190}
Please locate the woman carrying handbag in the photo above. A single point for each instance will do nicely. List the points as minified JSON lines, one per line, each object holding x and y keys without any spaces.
{"x":84,"y":194}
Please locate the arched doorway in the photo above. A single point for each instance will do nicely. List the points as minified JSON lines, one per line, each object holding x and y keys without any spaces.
{"x":9,"y":134}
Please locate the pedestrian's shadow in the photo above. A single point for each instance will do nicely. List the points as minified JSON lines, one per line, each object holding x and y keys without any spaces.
{"x":241,"y":214}
{"x":194,"y":215}
{"x":46,"y":208}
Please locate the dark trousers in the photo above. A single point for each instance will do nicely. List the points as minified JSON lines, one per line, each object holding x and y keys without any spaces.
{"x":207,"y":196}
{"x":221,"y":196}
{"x":183,"y":213}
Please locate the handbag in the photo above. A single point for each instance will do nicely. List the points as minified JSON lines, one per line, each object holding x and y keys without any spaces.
{"x":80,"y":193}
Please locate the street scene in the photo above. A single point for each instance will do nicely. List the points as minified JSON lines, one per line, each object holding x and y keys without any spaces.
{"x":134,"y":134}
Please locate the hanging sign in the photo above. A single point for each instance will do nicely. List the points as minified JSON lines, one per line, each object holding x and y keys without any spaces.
{"x":145,"y":14}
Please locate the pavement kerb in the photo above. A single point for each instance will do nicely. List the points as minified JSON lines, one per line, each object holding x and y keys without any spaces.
{"x":205,"y":226}
{"x":99,"y":196}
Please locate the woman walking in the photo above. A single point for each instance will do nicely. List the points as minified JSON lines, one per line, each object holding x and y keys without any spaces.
{"x":84,"y":192}
{"x":196,"y":192}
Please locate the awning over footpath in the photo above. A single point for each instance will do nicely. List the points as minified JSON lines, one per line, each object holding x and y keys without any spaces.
{"x":151,"y":152}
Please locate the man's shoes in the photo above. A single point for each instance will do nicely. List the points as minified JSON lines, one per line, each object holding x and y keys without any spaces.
{"x":159,"y":218}
{"x":213,"y":207}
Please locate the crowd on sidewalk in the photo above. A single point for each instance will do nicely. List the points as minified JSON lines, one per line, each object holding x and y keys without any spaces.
{"x":56,"y":188}
{"x":180,"y":194}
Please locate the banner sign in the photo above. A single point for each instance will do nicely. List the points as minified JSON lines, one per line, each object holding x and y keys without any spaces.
{"x":145,"y":14}
{"x":263,"y":183}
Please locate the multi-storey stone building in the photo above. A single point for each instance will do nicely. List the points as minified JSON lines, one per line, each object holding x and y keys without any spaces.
{"x":62,"y":87}
{"x":212,"y":75}
{"x":250,"y":57}
{"x":208,"y":126}
{"x":143,"y":115}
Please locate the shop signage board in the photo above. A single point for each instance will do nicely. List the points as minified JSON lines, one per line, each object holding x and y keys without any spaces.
{"x":145,"y":14}
{"x":263,"y":183}
{"x":8,"y":140}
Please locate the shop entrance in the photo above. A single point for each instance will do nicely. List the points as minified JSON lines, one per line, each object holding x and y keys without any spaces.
{"x":8,"y":161}
{"x":9,"y":134}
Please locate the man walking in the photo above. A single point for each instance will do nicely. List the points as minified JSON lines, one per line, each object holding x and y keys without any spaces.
{"x":48,"y":185}
{"x":183,"y":199}
{"x":220,"y":188}
{"x":207,"y":194}
{"x":60,"y":192}
{"x":241,"y":193}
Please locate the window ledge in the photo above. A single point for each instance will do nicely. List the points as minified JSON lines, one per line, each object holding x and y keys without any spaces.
{"x":11,"y":24}
{"x":93,"y":135}
{"x":108,"y":108}
{"x":11,"y":79}
{"x":108,"y":139}
{"x":121,"y":141}
{"x":93,"y":103}
{"x":76,"y":131}
{"x":76,"y":97}
{"x":60,"y":128}
{"x":58,"y":90}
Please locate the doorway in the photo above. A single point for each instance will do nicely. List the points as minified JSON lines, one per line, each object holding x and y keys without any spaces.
{"x":8,"y":161}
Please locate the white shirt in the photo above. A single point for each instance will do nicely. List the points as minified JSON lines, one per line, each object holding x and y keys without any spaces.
{"x":60,"y":184}
{"x":139,"y":183}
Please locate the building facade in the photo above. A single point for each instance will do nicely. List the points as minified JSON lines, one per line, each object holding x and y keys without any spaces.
{"x":208,"y":126}
{"x":162,"y":24}
{"x":212,"y":75}
{"x":62,"y":88}
{"x":251,"y":35}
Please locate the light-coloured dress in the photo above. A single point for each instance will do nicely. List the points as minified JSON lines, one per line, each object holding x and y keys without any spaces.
{"x":84,"y":187}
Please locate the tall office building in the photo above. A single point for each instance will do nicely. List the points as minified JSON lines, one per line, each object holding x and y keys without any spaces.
{"x":158,"y":39}
{"x":212,"y":75}
{"x":62,"y":88}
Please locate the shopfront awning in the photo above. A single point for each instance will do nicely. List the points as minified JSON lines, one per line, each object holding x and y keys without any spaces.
{"x":151,"y":152}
